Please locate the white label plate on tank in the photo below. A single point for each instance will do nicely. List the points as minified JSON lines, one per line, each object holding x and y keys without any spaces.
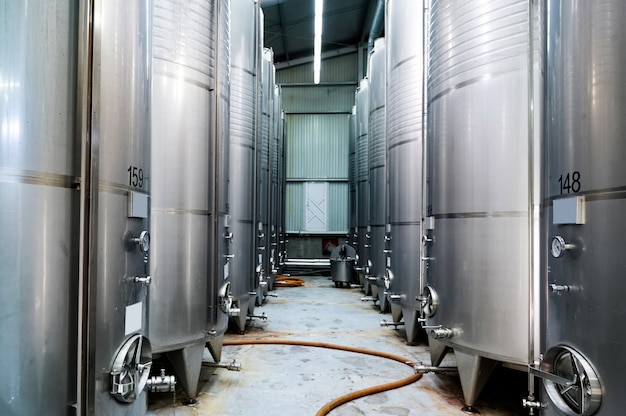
{"x":134,"y":315}
{"x":226,"y":270}
{"x":137,"y":205}
{"x":569,"y":210}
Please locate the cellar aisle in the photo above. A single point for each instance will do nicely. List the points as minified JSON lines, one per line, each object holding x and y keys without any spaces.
{"x":293,"y":380}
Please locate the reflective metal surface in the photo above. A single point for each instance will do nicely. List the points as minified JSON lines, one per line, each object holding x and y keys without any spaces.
{"x":585,"y":120}
{"x":39,"y":173}
{"x":483,"y":181}
{"x":342,"y":261}
{"x":377,"y":172}
{"x":242,"y":173}
{"x":121,"y":136}
{"x":276,"y":213}
{"x":405,"y":133}
{"x":219,"y":293}
{"x":183,"y":182}
{"x":352,"y":179}
{"x":362,"y":178}
{"x":263,"y":183}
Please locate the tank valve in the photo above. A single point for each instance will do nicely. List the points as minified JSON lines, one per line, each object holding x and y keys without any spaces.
{"x":232,"y":311}
{"x":161,"y":383}
{"x":384,"y":322}
{"x":231,"y":366}
{"x":531,"y":405}
{"x":559,"y":288}
{"x":143,"y":280}
{"x":262,"y":316}
{"x":441,"y":333}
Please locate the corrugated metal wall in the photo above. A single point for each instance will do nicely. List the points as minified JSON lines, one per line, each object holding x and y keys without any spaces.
{"x":316,"y":138}
{"x":316,"y":146}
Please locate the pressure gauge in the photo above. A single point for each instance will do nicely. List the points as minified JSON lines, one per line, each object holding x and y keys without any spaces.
{"x":559,"y":246}
{"x":143,"y":241}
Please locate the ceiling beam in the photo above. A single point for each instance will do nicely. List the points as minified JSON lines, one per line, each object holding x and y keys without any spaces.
{"x":367,"y":22}
{"x":282,"y":31}
{"x":309,"y":59}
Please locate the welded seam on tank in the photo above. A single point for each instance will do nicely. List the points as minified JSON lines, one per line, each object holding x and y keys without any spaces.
{"x":246,"y":70}
{"x":244,"y":221}
{"x":225,"y":97}
{"x":245,"y":143}
{"x":404,"y":61}
{"x":202,"y":212}
{"x":417,"y":139}
{"x":38,"y":178}
{"x":405,"y":223}
{"x":605,"y":194}
{"x":116,"y":188}
{"x":187,"y":80}
{"x":492,"y":214}
{"x":468,"y":82}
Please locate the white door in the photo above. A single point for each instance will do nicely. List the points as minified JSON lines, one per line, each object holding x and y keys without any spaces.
{"x":315,"y":206}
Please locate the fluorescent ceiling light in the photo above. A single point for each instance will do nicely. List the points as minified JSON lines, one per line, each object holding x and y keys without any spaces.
{"x":317,"y":53}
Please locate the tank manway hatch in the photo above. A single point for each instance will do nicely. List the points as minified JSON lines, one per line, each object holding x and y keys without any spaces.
{"x":131,"y":368}
{"x":570,"y":381}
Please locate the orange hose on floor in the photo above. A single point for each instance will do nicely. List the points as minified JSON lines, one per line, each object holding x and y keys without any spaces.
{"x":350,"y":396}
{"x":287,"y":281}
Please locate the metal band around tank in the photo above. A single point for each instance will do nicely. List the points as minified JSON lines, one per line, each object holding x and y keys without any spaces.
{"x":38,"y":178}
{"x":465,"y":83}
{"x":606,"y":194}
{"x":493,"y":214}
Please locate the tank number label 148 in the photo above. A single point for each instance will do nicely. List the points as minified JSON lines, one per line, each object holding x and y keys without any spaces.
{"x":570,"y":183}
{"x":135,"y":176}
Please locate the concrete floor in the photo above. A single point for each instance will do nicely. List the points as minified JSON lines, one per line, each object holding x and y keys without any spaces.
{"x":295,"y":381}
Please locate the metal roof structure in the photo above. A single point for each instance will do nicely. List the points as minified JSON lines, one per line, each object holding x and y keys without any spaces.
{"x":289,"y":26}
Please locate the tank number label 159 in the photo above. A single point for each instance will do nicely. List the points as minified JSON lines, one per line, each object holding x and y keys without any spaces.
{"x":570,"y":183}
{"x":135,"y":176}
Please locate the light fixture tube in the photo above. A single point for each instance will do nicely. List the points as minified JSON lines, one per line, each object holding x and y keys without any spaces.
{"x":317,"y":47}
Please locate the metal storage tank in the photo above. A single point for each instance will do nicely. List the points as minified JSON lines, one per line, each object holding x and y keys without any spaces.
{"x":188,"y":263}
{"x":281,"y":182}
{"x":583,"y":339}
{"x":483,"y":132}
{"x":39,"y":177}
{"x":405,"y":143}
{"x":266,"y":110}
{"x":362,"y":162}
{"x":242,"y":153}
{"x":276,"y":208}
{"x":221,"y":303}
{"x":352,"y":180}
{"x":377,"y":76}
{"x":116,"y":357}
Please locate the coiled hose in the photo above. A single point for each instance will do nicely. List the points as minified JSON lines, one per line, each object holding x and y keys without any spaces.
{"x":324,"y":410}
